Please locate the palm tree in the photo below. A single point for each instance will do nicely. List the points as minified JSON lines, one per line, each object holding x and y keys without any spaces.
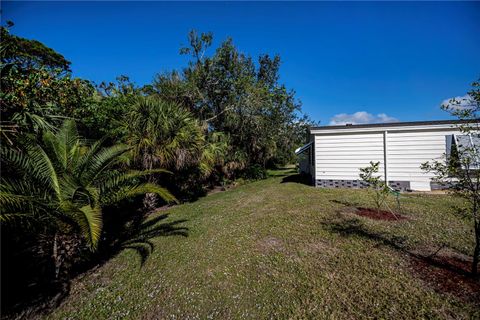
{"x":63,"y":183}
{"x":163,"y":135}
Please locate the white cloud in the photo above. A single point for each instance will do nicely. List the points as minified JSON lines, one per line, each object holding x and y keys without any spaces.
{"x":459,"y":103}
{"x":361,"y":117}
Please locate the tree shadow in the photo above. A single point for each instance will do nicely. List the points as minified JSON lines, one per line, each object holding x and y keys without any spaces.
{"x":138,"y":233}
{"x":446,"y":271}
{"x":32,"y":290}
{"x":345,"y":203}
{"x":298,"y":178}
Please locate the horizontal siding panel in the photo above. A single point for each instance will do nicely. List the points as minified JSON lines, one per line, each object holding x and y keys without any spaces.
{"x":418,"y":153}
{"x":415,"y":139}
{"x":358,"y":153}
{"x":407,"y":152}
{"x":345,"y":170}
{"x":403,"y":167}
{"x":340,"y":157}
{"x":423,"y":144}
{"x":412,"y":160}
{"x":344,"y":136}
{"x":353,"y":140}
{"x":427,"y":133}
{"x":339,"y":177}
{"x":341,"y":161}
{"x":349,"y":143}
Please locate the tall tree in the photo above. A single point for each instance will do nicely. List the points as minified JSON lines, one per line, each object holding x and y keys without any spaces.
{"x":235,"y":95}
{"x":37,"y":89}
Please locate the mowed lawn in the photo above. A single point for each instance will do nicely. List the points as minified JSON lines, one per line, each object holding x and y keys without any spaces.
{"x":278,"y":249}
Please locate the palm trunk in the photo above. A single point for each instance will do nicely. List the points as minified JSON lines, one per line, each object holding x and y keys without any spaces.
{"x":150,"y":199}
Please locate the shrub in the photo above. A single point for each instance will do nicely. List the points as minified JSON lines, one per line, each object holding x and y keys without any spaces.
{"x":377,"y":186}
{"x":255,"y":172}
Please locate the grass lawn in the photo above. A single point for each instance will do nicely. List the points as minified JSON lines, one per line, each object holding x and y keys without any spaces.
{"x":277,"y":249}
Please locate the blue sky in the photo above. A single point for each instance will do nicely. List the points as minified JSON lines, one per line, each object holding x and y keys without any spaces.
{"x":396,"y":59}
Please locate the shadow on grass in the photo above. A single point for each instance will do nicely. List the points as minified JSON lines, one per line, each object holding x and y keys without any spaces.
{"x":446,"y":273}
{"x":345,"y":203}
{"x":137,"y":235}
{"x":297,"y":178}
{"x":32,"y":290}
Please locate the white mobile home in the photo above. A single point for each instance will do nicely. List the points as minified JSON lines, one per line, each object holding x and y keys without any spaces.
{"x":334,"y":154}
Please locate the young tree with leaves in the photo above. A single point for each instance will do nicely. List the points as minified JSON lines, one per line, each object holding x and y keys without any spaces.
{"x":459,"y":171}
{"x":376,"y":185}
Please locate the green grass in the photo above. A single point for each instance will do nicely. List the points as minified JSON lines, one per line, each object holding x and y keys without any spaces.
{"x":279,"y":250}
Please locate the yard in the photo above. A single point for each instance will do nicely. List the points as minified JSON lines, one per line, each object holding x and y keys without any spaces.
{"x":277,"y":248}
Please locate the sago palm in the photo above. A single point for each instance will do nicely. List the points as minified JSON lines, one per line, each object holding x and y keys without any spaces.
{"x":65,"y":183}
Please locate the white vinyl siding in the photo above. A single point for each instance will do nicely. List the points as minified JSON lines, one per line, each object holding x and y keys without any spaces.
{"x":339,"y":156}
{"x":408,"y":150}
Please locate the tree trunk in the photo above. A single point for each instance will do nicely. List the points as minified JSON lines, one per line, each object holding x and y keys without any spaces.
{"x":56,"y":257}
{"x":150,"y":201}
{"x":476,"y":252}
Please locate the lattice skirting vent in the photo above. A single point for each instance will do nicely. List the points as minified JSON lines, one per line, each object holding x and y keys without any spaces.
{"x":356,"y":184}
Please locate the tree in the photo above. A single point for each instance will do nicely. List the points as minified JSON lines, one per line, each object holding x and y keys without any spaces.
{"x":163,"y":135}
{"x":459,"y":170}
{"x":37,"y":88}
{"x":378,"y":187}
{"x":62,"y":185}
{"x":108,"y":107}
{"x":30,"y":54}
{"x":237,"y":96}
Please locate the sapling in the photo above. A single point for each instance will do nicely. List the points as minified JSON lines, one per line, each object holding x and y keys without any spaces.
{"x":459,"y":170}
{"x":376,"y":185}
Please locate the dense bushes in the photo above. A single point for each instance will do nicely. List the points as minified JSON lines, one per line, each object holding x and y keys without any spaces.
{"x":73,"y":151}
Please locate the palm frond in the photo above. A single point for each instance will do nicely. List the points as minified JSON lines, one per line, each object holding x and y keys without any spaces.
{"x":87,"y":218}
{"x":43,"y":168}
{"x":128,"y":192}
{"x":94,"y":223}
{"x":100,"y":161}
{"x":84,"y":159}
{"x":117,"y":179}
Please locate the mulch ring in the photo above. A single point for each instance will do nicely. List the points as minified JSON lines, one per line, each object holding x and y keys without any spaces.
{"x":375,"y":214}
{"x":447,"y":272}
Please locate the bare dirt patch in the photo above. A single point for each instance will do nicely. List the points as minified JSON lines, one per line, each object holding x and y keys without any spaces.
{"x":216,"y":189}
{"x":375,"y":214}
{"x":447,"y":272}
{"x":270,"y":244}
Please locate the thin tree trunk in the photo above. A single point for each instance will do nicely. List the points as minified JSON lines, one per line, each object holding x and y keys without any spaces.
{"x":56,"y":258}
{"x":476,"y":252}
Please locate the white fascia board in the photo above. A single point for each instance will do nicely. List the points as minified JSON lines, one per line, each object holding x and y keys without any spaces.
{"x":386,"y":128}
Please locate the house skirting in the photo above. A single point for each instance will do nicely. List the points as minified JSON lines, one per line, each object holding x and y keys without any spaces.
{"x":358,"y":184}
